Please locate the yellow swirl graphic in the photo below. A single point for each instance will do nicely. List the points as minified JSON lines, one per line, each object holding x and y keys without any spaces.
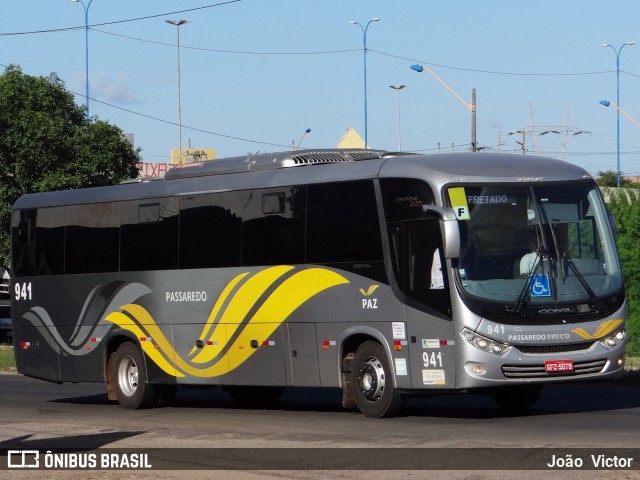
{"x":216,"y":308}
{"x":228,"y":322}
{"x":604,"y":329}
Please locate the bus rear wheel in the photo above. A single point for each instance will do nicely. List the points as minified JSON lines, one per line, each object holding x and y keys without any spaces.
{"x":130,"y":377}
{"x":372,"y":381}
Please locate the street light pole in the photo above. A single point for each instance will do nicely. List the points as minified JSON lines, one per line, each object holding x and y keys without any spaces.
{"x":86,"y":50}
{"x":471,"y":106}
{"x":607,"y":103}
{"x":364,"y":42}
{"x":617,"y":54}
{"x":178,"y":23}
{"x":397,"y":89}
{"x":307,"y":130}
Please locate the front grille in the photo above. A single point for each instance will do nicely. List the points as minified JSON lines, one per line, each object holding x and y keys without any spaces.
{"x":537,"y":370}
{"x":576,"y":347}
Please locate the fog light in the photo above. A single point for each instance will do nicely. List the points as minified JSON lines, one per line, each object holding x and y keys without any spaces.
{"x":479,"y":369}
{"x":620,"y":361}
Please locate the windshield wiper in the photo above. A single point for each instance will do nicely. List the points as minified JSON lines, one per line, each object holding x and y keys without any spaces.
{"x":525,"y":291}
{"x":563,"y":258}
{"x":594,"y":303}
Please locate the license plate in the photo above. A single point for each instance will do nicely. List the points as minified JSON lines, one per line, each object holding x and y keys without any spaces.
{"x":558,"y":366}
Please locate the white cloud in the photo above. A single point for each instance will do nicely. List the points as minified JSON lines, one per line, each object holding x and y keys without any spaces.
{"x":110,"y":88}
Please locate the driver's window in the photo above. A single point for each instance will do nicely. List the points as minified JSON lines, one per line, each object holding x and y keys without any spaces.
{"x":423,"y":266}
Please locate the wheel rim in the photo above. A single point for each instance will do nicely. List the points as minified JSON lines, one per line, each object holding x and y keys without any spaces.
{"x":372,"y":379}
{"x":128,"y":376}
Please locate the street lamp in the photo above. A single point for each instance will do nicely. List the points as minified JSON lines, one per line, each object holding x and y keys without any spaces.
{"x":300,"y":141}
{"x":364,"y":42}
{"x":471,"y":106}
{"x":607,"y":103}
{"x":86,"y":50}
{"x":617,"y":53}
{"x":178,"y":23}
{"x":397,"y":89}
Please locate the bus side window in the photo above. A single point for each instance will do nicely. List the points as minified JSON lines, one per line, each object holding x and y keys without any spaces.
{"x":273,"y":226}
{"x":342,"y":223}
{"x":23,"y":242}
{"x":210,"y":230}
{"x":425,"y":277}
{"x":149,"y":234}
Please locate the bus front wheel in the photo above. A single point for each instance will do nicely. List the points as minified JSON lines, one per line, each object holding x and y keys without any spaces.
{"x":130,"y":377}
{"x":372,"y":381}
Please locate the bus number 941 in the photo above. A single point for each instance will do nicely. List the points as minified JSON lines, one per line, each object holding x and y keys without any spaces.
{"x":22,"y":291}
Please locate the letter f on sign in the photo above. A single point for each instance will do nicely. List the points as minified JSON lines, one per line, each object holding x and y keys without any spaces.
{"x":461,"y":213}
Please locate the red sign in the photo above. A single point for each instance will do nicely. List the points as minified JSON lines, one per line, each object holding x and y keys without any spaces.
{"x":154,"y":170}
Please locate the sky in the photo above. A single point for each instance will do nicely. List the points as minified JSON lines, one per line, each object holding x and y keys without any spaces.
{"x":255,"y":74}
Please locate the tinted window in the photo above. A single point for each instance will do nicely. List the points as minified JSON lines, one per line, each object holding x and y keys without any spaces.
{"x":149,"y":234}
{"x":210,"y":227}
{"x":273,"y":228}
{"x":23,"y":242}
{"x":423,"y":275}
{"x":92,"y":240}
{"x":49,"y":241}
{"x":403,"y":198}
{"x":342,"y":223}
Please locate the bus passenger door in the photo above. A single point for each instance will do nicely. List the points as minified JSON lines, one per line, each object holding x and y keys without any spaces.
{"x":428,"y":305}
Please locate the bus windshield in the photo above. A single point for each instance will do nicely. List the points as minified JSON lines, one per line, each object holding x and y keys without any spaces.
{"x":536,"y":244}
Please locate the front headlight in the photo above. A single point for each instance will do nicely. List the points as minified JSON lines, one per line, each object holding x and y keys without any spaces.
{"x":483,"y":343}
{"x":614,"y":339}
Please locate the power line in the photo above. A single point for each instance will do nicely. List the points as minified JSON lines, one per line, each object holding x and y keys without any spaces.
{"x":216,"y":50}
{"x":522,"y":74}
{"x":329,"y":52}
{"x":65,"y":29}
{"x":168,"y":122}
{"x":195,"y":129}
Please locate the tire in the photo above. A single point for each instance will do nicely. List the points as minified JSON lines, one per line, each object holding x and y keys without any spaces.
{"x":372,"y":381}
{"x":129,"y":375}
{"x":247,"y":395}
{"x":517,"y":398}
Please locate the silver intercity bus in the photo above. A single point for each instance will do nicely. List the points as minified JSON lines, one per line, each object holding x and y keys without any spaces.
{"x":384,"y":274}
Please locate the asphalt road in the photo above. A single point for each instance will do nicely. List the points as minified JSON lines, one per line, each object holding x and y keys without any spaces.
{"x":306,"y":426}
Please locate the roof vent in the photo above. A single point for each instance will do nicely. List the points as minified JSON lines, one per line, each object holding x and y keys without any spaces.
{"x":272,"y":161}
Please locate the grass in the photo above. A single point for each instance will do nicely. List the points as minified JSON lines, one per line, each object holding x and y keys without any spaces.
{"x":632,"y":362}
{"x":7,"y":359}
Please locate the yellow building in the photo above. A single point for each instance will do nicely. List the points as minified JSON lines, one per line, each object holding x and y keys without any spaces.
{"x":351,"y":139}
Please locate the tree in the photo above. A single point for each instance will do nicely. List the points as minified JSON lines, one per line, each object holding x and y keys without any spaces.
{"x":625,"y":206}
{"x":610,"y":179}
{"x":47,"y":143}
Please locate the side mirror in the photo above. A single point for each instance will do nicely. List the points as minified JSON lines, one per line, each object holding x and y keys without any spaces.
{"x":448,"y":227}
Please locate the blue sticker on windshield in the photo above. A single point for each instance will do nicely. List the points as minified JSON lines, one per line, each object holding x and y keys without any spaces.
{"x":539,"y":285}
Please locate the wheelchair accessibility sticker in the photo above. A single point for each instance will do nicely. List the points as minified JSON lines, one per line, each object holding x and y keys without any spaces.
{"x":539,"y":285}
